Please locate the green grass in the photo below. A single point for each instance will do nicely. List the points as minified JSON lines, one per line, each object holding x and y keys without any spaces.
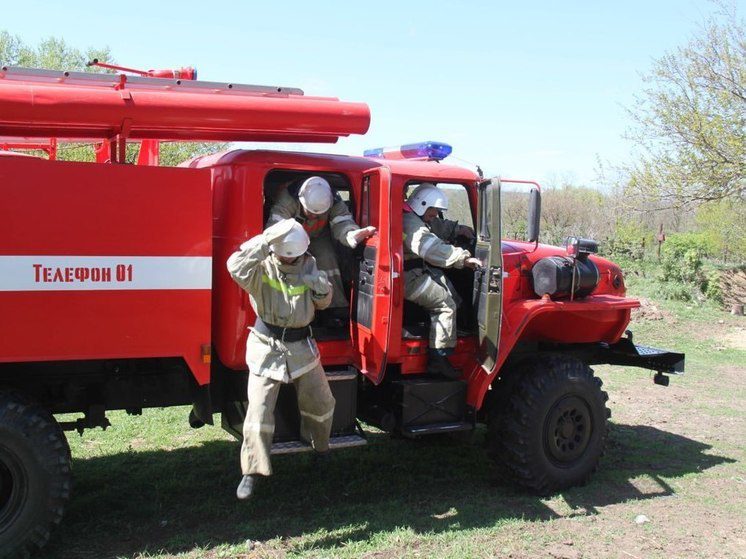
{"x":152,"y":487}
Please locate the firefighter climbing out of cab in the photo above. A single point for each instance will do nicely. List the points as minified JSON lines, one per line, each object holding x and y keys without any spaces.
{"x":285,"y":288}
{"x":426,"y":252}
{"x":324,"y":216}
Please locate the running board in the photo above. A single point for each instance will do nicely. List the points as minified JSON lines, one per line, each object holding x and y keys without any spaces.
{"x":345,"y":441}
{"x":435,"y":428}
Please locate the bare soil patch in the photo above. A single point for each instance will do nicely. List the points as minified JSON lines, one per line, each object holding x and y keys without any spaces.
{"x":733,"y":286}
{"x":649,"y":310}
{"x":736,"y":339}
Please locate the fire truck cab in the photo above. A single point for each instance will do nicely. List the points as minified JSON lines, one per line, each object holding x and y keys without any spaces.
{"x":384,"y":338}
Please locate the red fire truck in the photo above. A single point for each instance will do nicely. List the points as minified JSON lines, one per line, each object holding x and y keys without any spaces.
{"x":115,"y":295}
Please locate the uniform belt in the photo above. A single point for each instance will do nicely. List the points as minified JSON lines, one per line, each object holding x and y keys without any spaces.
{"x":281,"y":332}
{"x":413,"y":263}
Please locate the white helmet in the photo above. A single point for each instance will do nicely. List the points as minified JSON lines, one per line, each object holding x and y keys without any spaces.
{"x":315,"y":195}
{"x":425,"y":196}
{"x":288,"y":238}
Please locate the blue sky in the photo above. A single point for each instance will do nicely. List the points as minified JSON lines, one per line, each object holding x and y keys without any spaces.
{"x":526,"y":91}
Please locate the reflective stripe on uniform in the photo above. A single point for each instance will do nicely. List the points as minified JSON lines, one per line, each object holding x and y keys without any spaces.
{"x":427,"y":244}
{"x":318,"y":418}
{"x":421,"y":289}
{"x":340,"y":219}
{"x":275,"y":217}
{"x":283,"y":287}
{"x":298,"y":372}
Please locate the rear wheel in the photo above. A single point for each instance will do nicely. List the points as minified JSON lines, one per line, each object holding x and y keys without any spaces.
{"x":551,"y":432}
{"x":34,"y":475}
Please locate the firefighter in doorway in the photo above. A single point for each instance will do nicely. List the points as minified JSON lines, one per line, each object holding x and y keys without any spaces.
{"x":426,"y":253}
{"x":324,"y":216}
{"x":285,"y":288}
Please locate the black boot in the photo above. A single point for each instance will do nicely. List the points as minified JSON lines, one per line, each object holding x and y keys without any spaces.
{"x":322,"y":459}
{"x":438,"y":364}
{"x":246,"y":487}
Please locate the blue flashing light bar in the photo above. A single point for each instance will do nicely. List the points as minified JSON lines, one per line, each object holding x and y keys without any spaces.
{"x":428,"y":151}
{"x":377,"y":152}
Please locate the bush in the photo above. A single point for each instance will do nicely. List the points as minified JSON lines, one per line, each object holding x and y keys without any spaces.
{"x":677,"y":245}
{"x":713,"y":289}
{"x":628,"y":242}
{"x":684,"y":274}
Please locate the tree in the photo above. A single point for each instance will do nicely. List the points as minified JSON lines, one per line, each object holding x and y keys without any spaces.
{"x":724,"y":225}
{"x":51,"y":54}
{"x":691,"y":119}
{"x":55,"y":54}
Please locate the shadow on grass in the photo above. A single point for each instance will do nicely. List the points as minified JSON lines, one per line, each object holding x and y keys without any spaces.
{"x":174,"y":501}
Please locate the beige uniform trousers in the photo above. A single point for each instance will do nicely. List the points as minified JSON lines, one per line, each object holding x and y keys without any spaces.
{"x":433,"y":292}
{"x":428,"y":286}
{"x":316,"y":405}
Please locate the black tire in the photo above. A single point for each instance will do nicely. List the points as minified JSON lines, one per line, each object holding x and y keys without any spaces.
{"x":552,"y":431}
{"x":35,"y":475}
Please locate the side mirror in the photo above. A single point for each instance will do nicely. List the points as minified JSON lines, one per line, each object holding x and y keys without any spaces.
{"x":534,"y":215}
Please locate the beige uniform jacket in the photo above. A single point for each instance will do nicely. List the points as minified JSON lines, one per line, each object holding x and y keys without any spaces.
{"x":283,"y":295}
{"x":338,"y":218}
{"x":426,"y":241}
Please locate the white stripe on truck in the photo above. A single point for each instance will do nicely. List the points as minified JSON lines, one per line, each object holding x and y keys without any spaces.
{"x":88,"y":273}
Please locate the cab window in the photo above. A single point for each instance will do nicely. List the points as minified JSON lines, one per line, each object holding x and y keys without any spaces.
{"x":459,"y":208}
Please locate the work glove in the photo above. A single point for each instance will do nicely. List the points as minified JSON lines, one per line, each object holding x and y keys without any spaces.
{"x":317,"y":283}
{"x":472,"y":263}
{"x":278,"y":230}
{"x":357,"y":236}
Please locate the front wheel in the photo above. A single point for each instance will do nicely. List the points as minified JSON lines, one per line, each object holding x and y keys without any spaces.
{"x":551,"y":432}
{"x":35,"y":475}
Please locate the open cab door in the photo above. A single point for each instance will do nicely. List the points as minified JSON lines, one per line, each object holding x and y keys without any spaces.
{"x":488,"y":300}
{"x":371,"y":306}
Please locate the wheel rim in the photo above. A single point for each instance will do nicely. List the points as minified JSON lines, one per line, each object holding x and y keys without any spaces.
{"x":13,"y":487}
{"x":567,"y":431}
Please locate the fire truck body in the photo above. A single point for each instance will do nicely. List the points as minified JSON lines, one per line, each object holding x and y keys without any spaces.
{"x":134,"y":268}
{"x":115,"y":294}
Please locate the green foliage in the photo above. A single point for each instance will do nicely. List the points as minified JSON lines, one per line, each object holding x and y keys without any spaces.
{"x":691,"y":119}
{"x":173,"y":153}
{"x":678,"y":245}
{"x":724,"y":224}
{"x":628,"y":240}
{"x":52,"y":54}
{"x":712,"y":288}
{"x":683,"y":273}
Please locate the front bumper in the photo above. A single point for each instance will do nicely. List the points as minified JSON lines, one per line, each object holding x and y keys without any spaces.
{"x":626,"y":352}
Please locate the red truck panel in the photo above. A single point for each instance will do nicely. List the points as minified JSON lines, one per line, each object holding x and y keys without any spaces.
{"x":104,"y":261}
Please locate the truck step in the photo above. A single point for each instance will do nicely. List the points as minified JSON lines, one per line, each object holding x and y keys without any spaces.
{"x":435,"y":428}
{"x":654,"y":352}
{"x":626,"y":352}
{"x":344,"y":441}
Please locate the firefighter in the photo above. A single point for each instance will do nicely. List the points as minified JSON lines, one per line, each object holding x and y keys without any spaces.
{"x":426,"y":252}
{"x":285,"y":288}
{"x":324,"y":216}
